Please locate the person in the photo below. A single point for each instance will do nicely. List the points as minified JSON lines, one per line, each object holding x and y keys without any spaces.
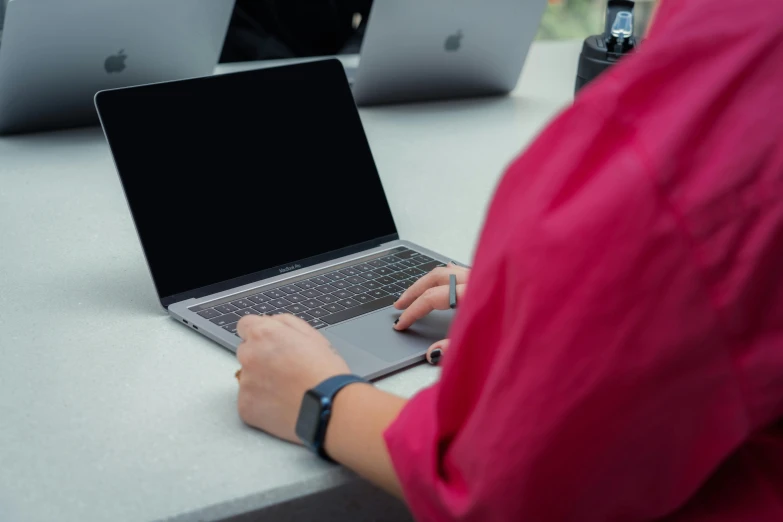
{"x":617,"y":354}
{"x":277,"y":29}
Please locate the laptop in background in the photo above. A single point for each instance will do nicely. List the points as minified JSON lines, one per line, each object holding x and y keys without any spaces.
{"x":255,"y":193}
{"x":414,"y":50}
{"x":56,"y":54}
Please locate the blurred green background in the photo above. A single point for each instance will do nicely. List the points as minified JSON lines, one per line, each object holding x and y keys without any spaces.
{"x":568,"y":19}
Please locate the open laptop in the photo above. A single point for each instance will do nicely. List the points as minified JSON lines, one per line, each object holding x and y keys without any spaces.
{"x":256,"y":193}
{"x":414,"y":50}
{"x":56,"y":54}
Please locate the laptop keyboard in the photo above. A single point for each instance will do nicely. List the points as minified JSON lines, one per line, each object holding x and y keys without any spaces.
{"x":331,"y":297}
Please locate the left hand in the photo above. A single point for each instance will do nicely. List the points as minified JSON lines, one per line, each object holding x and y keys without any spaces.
{"x":282,"y":357}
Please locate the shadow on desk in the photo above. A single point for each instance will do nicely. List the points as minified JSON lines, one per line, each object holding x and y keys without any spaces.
{"x":356,"y":501}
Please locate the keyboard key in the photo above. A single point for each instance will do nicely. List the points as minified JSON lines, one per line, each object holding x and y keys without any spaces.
{"x":415,"y":272}
{"x":363,"y":268}
{"x":282,"y":311}
{"x":364,"y":298}
{"x":226,"y":309}
{"x":372,"y":285}
{"x":263,"y":308}
{"x":246,"y":311}
{"x":358,"y":289}
{"x":408,"y":263}
{"x":420,"y":260}
{"x":231,"y":328}
{"x":396,"y":267}
{"x":349,"y":272}
{"x":275,"y":294}
{"x":333,"y":307}
{"x":258,"y":299}
{"x":326,"y":289}
{"x":326,"y":298}
{"x":305,"y":317}
{"x":315,"y":323}
{"x":318,"y":312}
{"x":209,"y":313}
{"x":290,"y":289}
{"x":383,"y":271}
{"x":406,"y":254}
{"x":309,"y":285}
{"x":311,"y":293}
{"x":396,"y":294}
{"x":223,"y":320}
{"x":384,"y":280}
{"x":377,"y":294}
{"x":342,"y":294}
{"x":242,"y":303}
{"x":356,"y":280}
{"x":296,"y":298}
{"x":428,"y":267}
{"x":393,"y":288}
{"x":399,"y":276}
{"x":295,"y":309}
{"x":311,"y":303}
{"x":405,"y":284}
{"x":389,"y":259}
{"x":335,"y":276}
{"x":280,"y":303}
{"x":349,"y":303}
{"x":319,"y":281}
{"x":356,"y":311}
{"x":377,"y":263}
{"x":341,"y":285}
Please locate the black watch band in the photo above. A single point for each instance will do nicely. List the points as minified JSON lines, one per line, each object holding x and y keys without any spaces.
{"x":316,"y":411}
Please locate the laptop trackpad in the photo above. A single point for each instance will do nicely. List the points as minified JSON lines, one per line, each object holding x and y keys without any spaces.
{"x":375,"y":334}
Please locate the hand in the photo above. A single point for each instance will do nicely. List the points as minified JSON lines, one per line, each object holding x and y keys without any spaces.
{"x":429,"y":293}
{"x":282,"y":357}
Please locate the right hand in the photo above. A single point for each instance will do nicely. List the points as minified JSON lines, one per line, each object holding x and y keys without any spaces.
{"x":429,"y":293}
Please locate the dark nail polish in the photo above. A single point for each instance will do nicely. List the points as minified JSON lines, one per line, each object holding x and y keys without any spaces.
{"x":397,"y":321}
{"x":435,"y":356}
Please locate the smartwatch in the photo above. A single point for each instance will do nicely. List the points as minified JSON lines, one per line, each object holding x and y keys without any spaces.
{"x":316,"y":410}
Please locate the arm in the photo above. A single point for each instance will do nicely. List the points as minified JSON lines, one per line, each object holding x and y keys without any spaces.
{"x":355,"y":436}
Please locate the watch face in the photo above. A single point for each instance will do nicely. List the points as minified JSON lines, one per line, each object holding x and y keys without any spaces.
{"x":309,"y":418}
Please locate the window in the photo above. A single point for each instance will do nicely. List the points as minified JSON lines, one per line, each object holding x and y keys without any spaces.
{"x":568,"y":19}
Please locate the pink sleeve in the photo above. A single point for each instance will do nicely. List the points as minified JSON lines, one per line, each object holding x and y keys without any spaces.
{"x":587,"y":380}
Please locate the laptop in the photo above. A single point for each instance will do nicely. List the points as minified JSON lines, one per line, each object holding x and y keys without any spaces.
{"x":56,"y":54}
{"x":256,"y":193}
{"x":414,"y":50}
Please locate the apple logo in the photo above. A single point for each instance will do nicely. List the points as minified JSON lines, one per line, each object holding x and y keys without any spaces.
{"x":453,"y":42}
{"x":116,"y":62}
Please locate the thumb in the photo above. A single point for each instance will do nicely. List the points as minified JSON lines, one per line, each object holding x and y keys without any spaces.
{"x":436,"y":351}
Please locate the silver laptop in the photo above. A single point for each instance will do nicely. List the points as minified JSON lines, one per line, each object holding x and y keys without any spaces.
{"x":255,"y":193}
{"x":416,"y":50}
{"x":56,"y":54}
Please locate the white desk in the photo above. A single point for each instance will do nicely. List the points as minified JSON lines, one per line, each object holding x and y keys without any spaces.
{"x":111,"y":411}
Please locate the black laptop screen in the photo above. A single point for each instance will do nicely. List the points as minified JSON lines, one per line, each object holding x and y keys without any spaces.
{"x":233,"y":175}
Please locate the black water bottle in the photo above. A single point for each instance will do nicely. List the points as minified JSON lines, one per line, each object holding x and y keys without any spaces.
{"x":601,"y":51}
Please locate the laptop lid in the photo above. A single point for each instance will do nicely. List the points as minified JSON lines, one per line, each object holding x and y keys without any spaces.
{"x":56,"y":54}
{"x":235,"y":178}
{"x":414,"y":50}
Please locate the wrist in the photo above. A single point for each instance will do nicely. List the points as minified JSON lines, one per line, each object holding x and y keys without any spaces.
{"x":316,"y":411}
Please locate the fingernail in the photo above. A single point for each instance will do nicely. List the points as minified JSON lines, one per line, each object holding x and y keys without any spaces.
{"x":397,"y":321}
{"x":435,"y":356}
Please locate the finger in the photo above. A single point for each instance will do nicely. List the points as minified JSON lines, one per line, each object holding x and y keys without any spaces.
{"x":296,"y":323}
{"x":436,"y":351}
{"x":436,"y":298}
{"x":254,"y":328}
{"x":438,"y":277}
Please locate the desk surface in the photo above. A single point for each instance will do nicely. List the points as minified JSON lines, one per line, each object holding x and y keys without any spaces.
{"x":111,"y":411}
